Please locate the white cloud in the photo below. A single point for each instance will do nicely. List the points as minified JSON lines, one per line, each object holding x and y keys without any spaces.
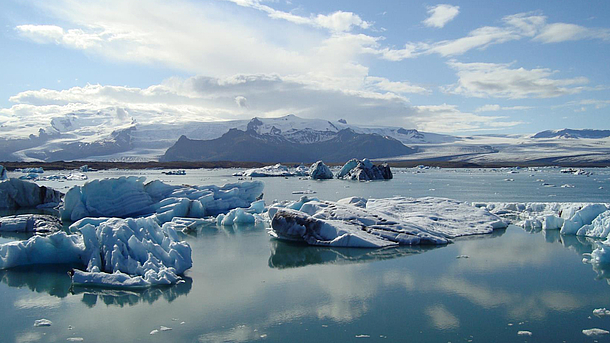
{"x":440,"y":15}
{"x":561,"y":32}
{"x":498,"y":80}
{"x":448,"y":118}
{"x":494,"y":108}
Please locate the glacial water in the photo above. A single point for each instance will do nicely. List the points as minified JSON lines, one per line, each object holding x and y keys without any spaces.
{"x":246,"y":287}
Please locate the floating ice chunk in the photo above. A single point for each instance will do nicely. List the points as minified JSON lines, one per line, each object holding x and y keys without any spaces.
{"x":383,"y":222}
{"x":320,"y":171}
{"x":599,"y":227}
{"x":115,"y":252}
{"x":595,"y":332}
{"x":307,"y":191}
{"x":524,"y":333}
{"x":267,"y":171}
{"x":3,"y":175}
{"x":165,"y":328}
{"x":364,"y":170}
{"x":241,"y":215}
{"x":154,"y":332}
{"x":30,"y":223}
{"x":75,"y":339}
{"x":42,"y":322}
{"x":601,"y":312}
{"x":15,"y":193}
{"x":582,"y":217}
{"x":129,"y":196}
{"x":301,"y":170}
{"x":38,"y":170}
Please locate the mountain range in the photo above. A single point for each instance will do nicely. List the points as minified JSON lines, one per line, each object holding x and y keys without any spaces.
{"x":116,"y":134}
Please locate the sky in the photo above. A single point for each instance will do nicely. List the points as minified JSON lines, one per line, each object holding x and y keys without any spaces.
{"x":459,"y":67}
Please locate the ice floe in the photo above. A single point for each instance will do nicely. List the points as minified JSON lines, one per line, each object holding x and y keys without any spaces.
{"x":114,"y":252}
{"x":15,"y":194}
{"x":130,"y":196}
{"x":601,"y":312}
{"x":42,"y":322}
{"x":320,"y":171}
{"x":582,"y":219}
{"x":364,"y":170}
{"x":595,"y":332}
{"x":356,"y":222}
{"x":30,"y":223}
{"x":266,"y":171}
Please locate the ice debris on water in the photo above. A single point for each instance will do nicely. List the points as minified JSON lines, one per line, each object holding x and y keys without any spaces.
{"x":16,"y":194}
{"x":320,"y":171}
{"x":130,"y":196}
{"x":42,"y":322}
{"x":601,"y":312}
{"x":524,"y":333}
{"x":276,"y":170}
{"x":165,"y":328}
{"x":595,"y":332}
{"x":75,"y":339}
{"x":30,"y":223}
{"x":364,"y":170}
{"x":374,"y":223}
{"x":154,"y":332}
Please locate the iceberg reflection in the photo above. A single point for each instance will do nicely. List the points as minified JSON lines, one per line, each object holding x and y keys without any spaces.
{"x":286,"y":254}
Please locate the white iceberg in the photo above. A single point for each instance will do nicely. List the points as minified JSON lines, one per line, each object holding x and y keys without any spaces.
{"x":242,"y":215}
{"x":114,"y":252}
{"x":129,"y":196}
{"x":266,"y":171}
{"x":595,"y":332}
{"x":364,"y":170}
{"x":15,"y":194}
{"x":356,"y":222}
{"x":30,"y":223}
{"x":582,"y":219}
{"x":320,"y":171}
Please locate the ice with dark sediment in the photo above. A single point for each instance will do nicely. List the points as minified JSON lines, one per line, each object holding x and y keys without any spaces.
{"x":375,"y":223}
{"x":320,"y":171}
{"x":30,"y":223}
{"x":16,"y":194}
{"x":364,"y":170}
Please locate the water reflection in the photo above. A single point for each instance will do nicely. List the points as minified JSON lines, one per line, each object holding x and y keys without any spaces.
{"x":55,"y":281}
{"x":121,"y":297}
{"x":292,"y":255}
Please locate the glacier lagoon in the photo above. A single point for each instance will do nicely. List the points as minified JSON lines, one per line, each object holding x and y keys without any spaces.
{"x":244,"y":286}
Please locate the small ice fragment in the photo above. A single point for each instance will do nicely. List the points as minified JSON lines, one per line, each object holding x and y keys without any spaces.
{"x":264,"y":335}
{"x":600,"y":312}
{"x":75,"y":339}
{"x":595,"y":332}
{"x":154,"y":332}
{"x":174,"y":319}
{"x":524,"y":333}
{"x":510,"y":324}
{"x":521,"y":323}
{"x":462,"y":256}
{"x":182,"y":323}
{"x":363,"y":336}
{"x":42,"y":322}
{"x":324,"y":325}
{"x":70,"y":327}
{"x":509,"y":179}
{"x":165,"y":328}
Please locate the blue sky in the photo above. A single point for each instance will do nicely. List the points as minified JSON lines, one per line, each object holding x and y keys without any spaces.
{"x":460,"y":67}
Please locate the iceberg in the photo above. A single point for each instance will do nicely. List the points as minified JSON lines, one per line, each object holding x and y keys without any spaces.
{"x":30,"y":223}
{"x":3,"y":175}
{"x":364,"y":170}
{"x":16,"y":193}
{"x":267,"y":171}
{"x":114,"y":252}
{"x":301,"y":170}
{"x":241,"y":215}
{"x":376,"y":223}
{"x":320,"y":171}
{"x":581,"y":219}
{"x":131,"y":197}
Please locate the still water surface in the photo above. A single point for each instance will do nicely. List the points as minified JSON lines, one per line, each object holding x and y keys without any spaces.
{"x":246,"y":287}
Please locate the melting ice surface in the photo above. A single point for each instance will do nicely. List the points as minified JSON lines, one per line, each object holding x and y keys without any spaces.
{"x":245,"y":287}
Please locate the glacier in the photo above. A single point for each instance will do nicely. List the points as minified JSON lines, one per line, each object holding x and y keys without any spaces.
{"x":320,"y":171}
{"x":16,"y":193}
{"x":131,"y":196}
{"x":376,"y":223}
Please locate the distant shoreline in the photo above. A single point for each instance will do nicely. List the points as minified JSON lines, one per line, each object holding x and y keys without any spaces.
{"x":10,"y":166}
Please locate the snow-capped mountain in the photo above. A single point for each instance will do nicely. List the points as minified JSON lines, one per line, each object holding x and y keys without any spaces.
{"x":127,"y":134}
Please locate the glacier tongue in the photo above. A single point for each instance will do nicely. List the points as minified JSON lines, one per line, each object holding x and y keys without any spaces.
{"x":356,"y":222}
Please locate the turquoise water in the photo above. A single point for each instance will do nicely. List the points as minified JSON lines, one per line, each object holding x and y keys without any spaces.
{"x":245,"y":286}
